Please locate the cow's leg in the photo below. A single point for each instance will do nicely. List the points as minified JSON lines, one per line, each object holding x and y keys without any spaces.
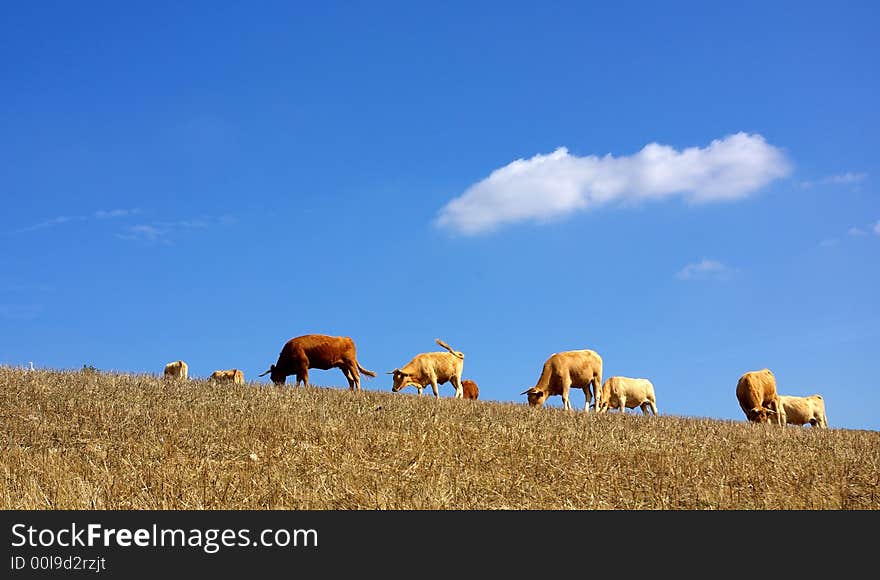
{"x":587,"y":398}
{"x":348,"y":376}
{"x":566,"y":389}
{"x":456,"y":382}
{"x":434,"y":387}
{"x":621,"y":401}
{"x":302,"y":376}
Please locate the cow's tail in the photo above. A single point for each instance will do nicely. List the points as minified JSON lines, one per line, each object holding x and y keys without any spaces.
{"x":459,"y":354}
{"x":365,"y":371}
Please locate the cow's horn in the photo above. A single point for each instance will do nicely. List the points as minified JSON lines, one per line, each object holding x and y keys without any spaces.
{"x":264,"y":374}
{"x":526,"y":392}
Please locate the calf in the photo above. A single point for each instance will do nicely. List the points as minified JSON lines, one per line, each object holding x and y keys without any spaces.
{"x":803,"y":410}
{"x":626,"y":393}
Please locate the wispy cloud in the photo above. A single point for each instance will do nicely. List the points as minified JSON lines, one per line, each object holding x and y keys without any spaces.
{"x":165,"y":232}
{"x":55,"y":221}
{"x":856,"y":232}
{"x":705,"y":269}
{"x":848,"y":178}
{"x":876,"y":228}
{"x":116,"y":213}
{"x":829,"y":242}
{"x":554,"y":185}
{"x":60,"y":220}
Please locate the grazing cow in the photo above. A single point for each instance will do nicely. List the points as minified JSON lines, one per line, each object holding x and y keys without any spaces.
{"x":234,"y":376}
{"x":803,"y":410}
{"x":564,"y":370}
{"x":626,"y":393}
{"x":176,"y":370}
{"x":431,"y":368}
{"x":317,"y":351}
{"x":469,"y":389}
{"x":758,"y":398}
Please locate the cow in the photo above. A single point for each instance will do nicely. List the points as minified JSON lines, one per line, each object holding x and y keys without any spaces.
{"x":470,"y":390}
{"x":803,"y":410}
{"x":626,"y":393}
{"x":317,"y":351}
{"x":562,"y":371}
{"x":758,"y":398}
{"x":176,"y":370}
{"x":234,"y":376}
{"x":431,"y":368}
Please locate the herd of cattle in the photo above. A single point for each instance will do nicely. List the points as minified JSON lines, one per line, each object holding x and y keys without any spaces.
{"x":580,"y":369}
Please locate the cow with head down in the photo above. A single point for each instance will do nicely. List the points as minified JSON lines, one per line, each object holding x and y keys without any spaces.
{"x":234,"y":376}
{"x":758,"y":397}
{"x":176,"y":370}
{"x":580,"y":369}
{"x":627,"y":393}
{"x":317,"y":351}
{"x":431,"y":368}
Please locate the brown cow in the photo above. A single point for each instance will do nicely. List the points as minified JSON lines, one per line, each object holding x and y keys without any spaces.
{"x":758,"y":398}
{"x":317,"y":351}
{"x":176,"y":370}
{"x":563,"y":370}
{"x":234,"y":376}
{"x":431,"y":368}
{"x":469,"y":389}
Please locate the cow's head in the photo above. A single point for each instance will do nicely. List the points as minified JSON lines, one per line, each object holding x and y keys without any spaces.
{"x":401,"y":379}
{"x":760,"y":414}
{"x":277,"y":375}
{"x":536,"y":396}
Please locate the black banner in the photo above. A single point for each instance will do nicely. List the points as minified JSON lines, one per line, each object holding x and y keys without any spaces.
{"x":125,"y":544}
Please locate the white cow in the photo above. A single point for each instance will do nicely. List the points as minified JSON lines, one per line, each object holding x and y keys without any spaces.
{"x":627,"y":393}
{"x":803,"y":410}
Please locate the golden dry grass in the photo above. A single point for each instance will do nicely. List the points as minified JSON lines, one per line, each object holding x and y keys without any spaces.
{"x":84,"y":440}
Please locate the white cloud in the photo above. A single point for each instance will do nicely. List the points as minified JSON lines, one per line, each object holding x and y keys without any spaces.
{"x":848,"y":178}
{"x":854,"y":231}
{"x":165,"y":231}
{"x":553,"y":185}
{"x":705,"y":269}
{"x":57,"y":221}
{"x":115,"y":213}
{"x":876,"y":228}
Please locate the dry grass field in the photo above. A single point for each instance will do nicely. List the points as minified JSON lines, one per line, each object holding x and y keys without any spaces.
{"x":85,"y":440}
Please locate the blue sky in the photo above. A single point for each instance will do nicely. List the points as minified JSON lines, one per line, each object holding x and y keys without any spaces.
{"x":688,"y":189}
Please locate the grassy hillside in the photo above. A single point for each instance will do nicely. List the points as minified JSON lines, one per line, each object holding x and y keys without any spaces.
{"x":84,"y":440}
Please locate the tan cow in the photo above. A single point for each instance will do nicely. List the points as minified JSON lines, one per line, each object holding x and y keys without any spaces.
{"x":234,"y":376}
{"x":469,"y":389}
{"x":758,"y":398}
{"x":626,"y":393}
{"x":803,"y":410}
{"x":431,"y":368}
{"x":562,"y":371}
{"x":176,"y":370}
